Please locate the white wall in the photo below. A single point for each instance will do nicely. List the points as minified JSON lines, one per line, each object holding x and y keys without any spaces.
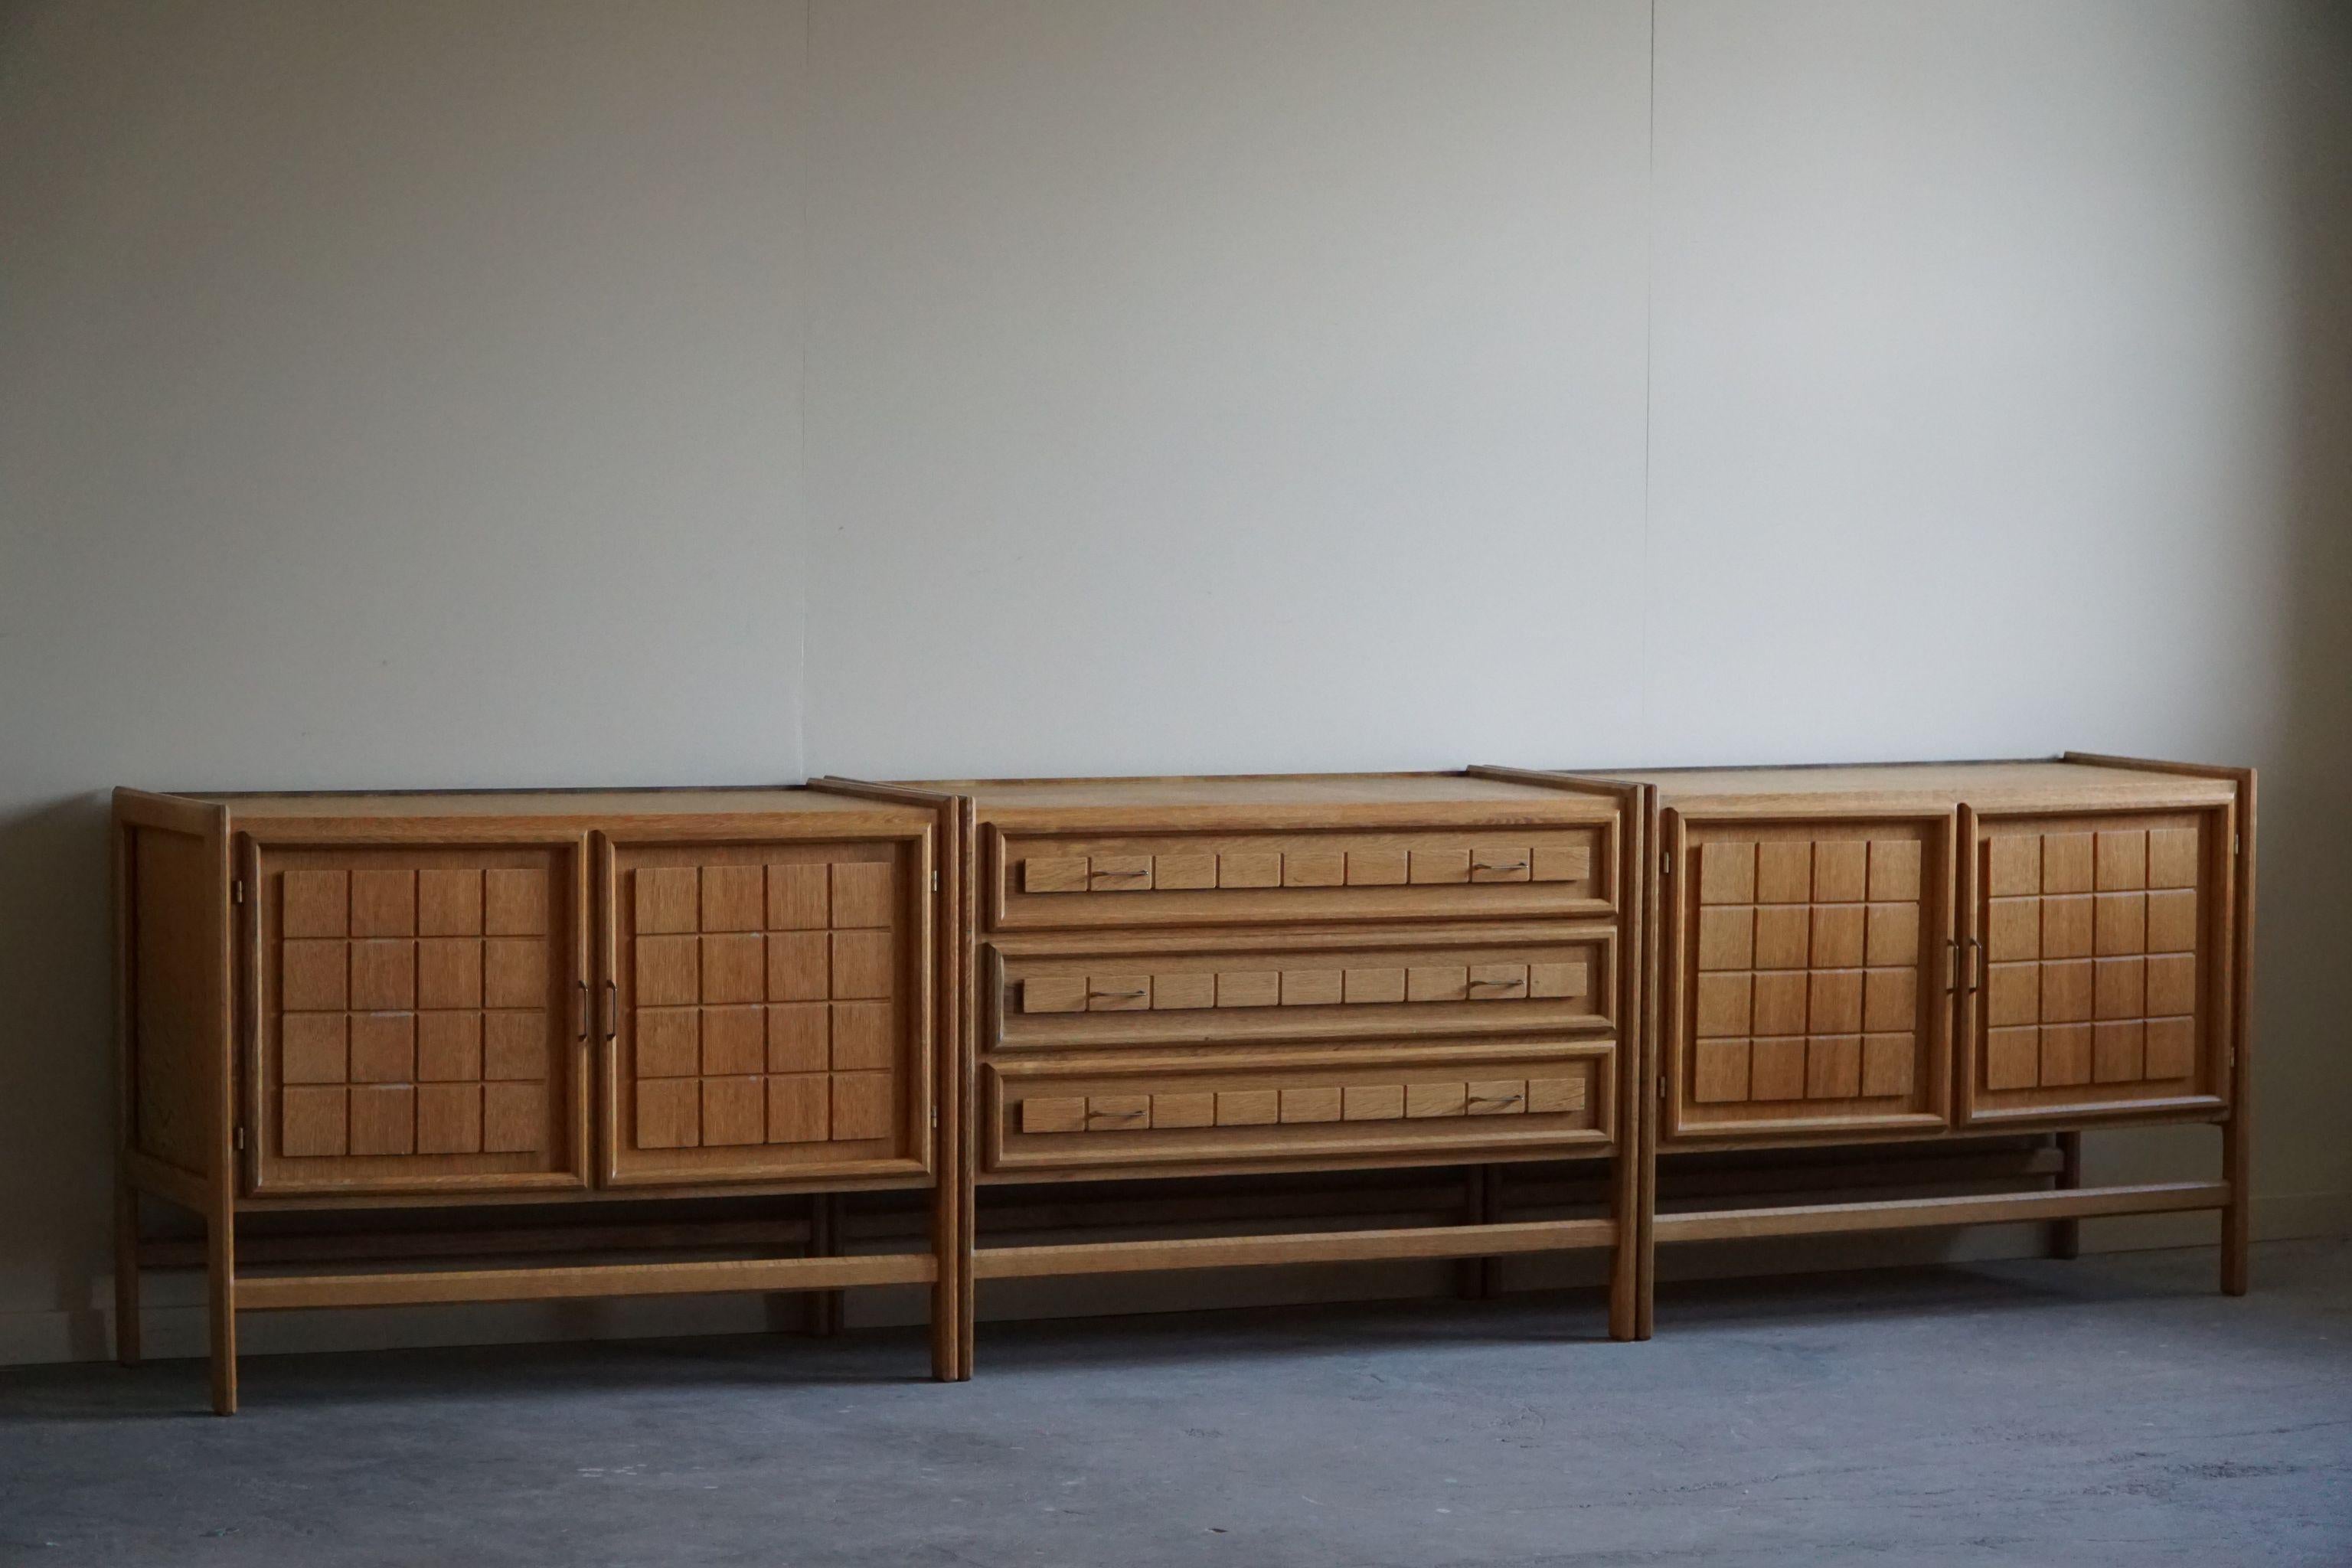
{"x":473,"y":393}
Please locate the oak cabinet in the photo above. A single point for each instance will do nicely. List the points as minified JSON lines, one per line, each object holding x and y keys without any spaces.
{"x":345,"y":1002}
{"x":1233,"y":976}
{"x":1928,"y":951}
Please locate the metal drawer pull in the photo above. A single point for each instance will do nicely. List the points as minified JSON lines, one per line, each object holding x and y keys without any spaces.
{"x":1976,"y":964}
{"x":612,"y":1010}
{"x":1114,"y":1115}
{"x":1508,"y":984}
{"x":1493,"y":1099}
{"x":1114,"y":996}
{"x":1498,"y":864}
{"x":1138,"y":871}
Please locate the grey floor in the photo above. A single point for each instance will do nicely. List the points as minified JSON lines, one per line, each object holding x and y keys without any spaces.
{"x":2108,"y":1411}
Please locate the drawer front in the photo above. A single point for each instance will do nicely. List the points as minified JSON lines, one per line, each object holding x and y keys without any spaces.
{"x":1412,"y":1106}
{"x":1808,"y":975}
{"x":1342,"y":991}
{"x":773,"y":1020}
{"x":2104,"y":984}
{"x":1046,"y":881}
{"x":416,"y":1018}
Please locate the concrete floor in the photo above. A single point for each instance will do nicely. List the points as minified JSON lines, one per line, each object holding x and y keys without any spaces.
{"x":2108,"y":1411}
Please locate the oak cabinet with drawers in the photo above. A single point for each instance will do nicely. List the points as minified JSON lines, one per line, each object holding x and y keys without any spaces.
{"x":351,"y":1002}
{"x":1226,"y":976}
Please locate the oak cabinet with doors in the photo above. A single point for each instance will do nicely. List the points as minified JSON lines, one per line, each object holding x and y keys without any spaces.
{"x":1228,"y":977}
{"x":451,"y":1000}
{"x":1927,"y":952}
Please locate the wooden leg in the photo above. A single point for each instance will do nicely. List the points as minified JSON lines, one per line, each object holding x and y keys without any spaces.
{"x":1490,"y":1211}
{"x":1626,"y":1269}
{"x":126,"y":1272}
{"x":824,"y":1307}
{"x":220,"y":1280}
{"x":2066,"y":1234}
{"x":2237,"y":1219}
{"x":1643,"y":1262}
{"x":966,"y":1241}
{"x":1472,"y":1275}
{"x":947,"y":1353}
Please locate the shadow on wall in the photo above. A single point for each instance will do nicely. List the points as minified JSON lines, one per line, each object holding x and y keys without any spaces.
{"x":55,"y":971}
{"x":2304,"y":991}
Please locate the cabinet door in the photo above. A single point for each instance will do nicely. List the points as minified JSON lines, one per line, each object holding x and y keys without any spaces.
{"x":2100,"y":977}
{"x":770,"y":1011}
{"x":1807,"y":975}
{"x":416,"y":1017}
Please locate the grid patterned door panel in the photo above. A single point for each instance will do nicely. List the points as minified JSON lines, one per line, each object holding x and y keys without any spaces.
{"x":770,"y":1024}
{"x":417,"y":1019}
{"x":2098,"y":937}
{"x":1811,"y":975}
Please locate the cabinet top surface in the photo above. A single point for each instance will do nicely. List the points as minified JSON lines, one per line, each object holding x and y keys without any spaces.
{"x":565,"y":802}
{"x":2016,"y":784}
{"x":1246,"y":790}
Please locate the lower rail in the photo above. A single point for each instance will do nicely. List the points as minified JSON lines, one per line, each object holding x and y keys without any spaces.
{"x":1901,"y":1213}
{"x":1313,"y":1246}
{"x":394,"y":1287}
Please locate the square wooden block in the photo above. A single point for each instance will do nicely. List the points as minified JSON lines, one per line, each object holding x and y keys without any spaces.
{"x":1841,"y":870}
{"x":449,"y":902}
{"x":449,"y":1048}
{"x":734,"y":1043}
{"x":316,"y":904}
{"x":514,"y":1045}
{"x":734,"y":898}
{"x":668,"y":1041}
{"x":383,"y":903}
{"x":800,"y":1037}
{"x":1726,"y":873}
{"x":799,"y":896}
{"x":864,"y":893}
{"x":515,"y":902}
{"x":383,"y":974}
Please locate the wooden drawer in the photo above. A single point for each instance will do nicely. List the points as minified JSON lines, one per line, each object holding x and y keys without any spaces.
{"x":1343,"y":987}
{"x":2101,"y":980}
{"x":1308,"y":1107}
{"x":1041,"y":881}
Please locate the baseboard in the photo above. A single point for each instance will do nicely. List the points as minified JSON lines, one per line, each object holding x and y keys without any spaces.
{"x":173,"y":1324}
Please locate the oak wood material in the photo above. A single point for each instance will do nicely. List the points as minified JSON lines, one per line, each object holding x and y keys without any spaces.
{"x":342,"y":1002}
{"x":2092,"y":915}
{"x":1897,"y":1213}
{"x":276,"y":1292}
{"x":1198,"y":977}
{"x":1321,"y":1247}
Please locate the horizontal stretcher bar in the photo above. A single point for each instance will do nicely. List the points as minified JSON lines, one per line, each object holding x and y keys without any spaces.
{"x":1313,"y":1246}
{"x":267,"y":1292}
{"x":1901,"y":1214}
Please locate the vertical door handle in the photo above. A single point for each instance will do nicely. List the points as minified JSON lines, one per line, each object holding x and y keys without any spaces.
{"x":1976,"y":964}
{"x":612,"y":1010}
{"x":580,"y":1010}
{"x":1951,"y":965}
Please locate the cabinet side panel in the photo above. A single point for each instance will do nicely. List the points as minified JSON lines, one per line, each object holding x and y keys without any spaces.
{"x":173,"y":1052}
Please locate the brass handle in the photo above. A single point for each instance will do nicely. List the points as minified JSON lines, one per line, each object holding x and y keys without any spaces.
{"x":1493,"y":1099}
{"x":1114,"y":996}
{"x":1976,"y":964}
{"x":1113,"y":1115}
{"x":1951,"y":965}
{"x":579,"y":1009}
{"x":612,"y":1010}
{"x":1498,"y":864}
{"x":1138,"y":872}
{"x":1511,"y":984}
